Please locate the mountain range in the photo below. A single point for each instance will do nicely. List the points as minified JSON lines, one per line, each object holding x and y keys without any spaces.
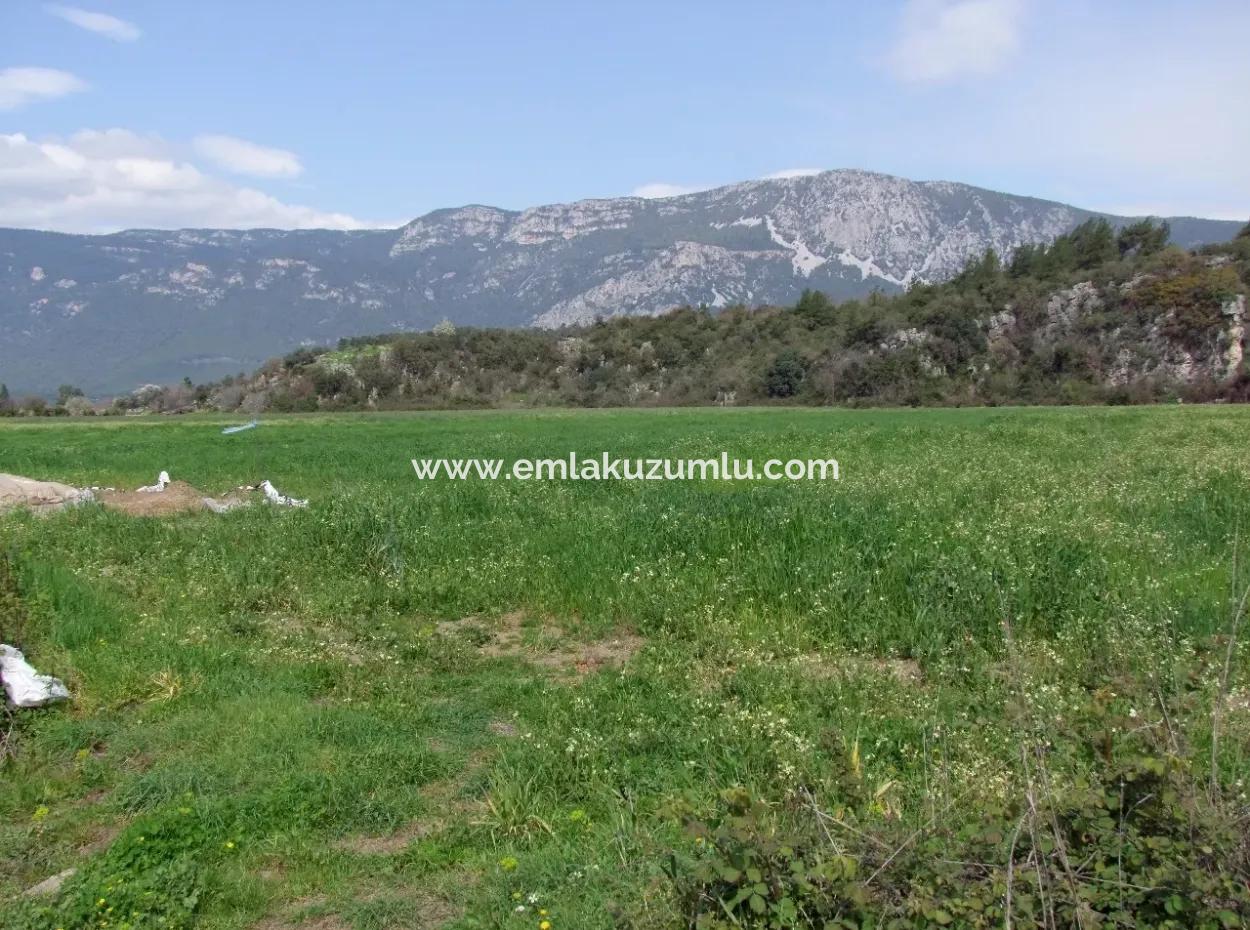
{"x":110,"y":312}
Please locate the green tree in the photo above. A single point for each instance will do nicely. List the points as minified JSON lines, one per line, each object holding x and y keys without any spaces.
{"x":65,"y":392}
{"x":1143,"y":237}
{"x":1093,"y":244}
{"x":300,"y":358}
{"x":331,"y":380}
{"x":813,"y":302}
{"x":980,"y":270}
{"x":1024,"y":260}
{"x":785,"y":374}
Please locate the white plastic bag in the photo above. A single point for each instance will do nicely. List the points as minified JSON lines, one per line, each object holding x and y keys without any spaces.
{"x":24,"y":686}
{"x":161,"y":480}
{"x":272,"y":495}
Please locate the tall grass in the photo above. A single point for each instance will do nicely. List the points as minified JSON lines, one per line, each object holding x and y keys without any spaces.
{"x":281,"y":672}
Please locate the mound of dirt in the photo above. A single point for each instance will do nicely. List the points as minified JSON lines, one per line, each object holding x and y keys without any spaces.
{"x":177,"y":497}
{"x":16,"y":491}
{"x":171,"y":497}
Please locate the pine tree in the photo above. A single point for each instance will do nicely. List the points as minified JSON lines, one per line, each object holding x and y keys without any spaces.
{"x":1143,"y":238}
{"x":1093,"y":244}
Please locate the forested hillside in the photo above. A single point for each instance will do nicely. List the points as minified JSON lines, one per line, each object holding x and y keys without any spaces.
{"x":112,"y":312}
{"x":1097,"y":316}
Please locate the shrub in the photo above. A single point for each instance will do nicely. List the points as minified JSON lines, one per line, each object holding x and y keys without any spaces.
{"x":1126,"y":837}
{"x":785,"y":375}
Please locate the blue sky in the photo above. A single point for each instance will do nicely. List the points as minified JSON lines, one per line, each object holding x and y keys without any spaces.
{"x":119,"y":114}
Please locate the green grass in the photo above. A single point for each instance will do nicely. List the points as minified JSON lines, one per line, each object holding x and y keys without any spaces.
{"x":257,"y":691}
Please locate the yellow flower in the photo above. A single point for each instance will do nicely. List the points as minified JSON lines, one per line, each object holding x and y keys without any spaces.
{"x":229,"y":844}
{"x":542,"y":912}
{"x":544,"y":925}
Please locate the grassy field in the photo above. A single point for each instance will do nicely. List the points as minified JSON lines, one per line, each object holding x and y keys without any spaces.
{"x":425,"y":704}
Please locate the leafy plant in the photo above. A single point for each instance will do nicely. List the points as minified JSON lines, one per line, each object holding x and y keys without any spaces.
{"x":750,"y":873}
{"x":151,"y":877}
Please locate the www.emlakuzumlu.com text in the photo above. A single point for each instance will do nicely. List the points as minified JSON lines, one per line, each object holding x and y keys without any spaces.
{"x":606,"y":467}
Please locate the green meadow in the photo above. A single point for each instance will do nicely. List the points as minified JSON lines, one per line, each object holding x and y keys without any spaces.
{"x":916,"y":696}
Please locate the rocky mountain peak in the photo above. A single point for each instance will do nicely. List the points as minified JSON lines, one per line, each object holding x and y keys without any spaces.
{"x":107,"y":312}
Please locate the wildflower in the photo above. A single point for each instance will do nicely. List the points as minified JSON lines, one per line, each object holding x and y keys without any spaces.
{"x":544,"y":925}
{"x":508,"y":863}
{"x":229,"y":844}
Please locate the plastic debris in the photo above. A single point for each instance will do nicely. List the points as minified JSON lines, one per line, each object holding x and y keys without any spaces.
{"x":16,"y":491}
{"x":272,"y":495}
{"x":238,"y":429}
{"x":161,"y":481}
{"x":50,"y":887}
{"x":226,"y":504}
{"x":24,"y":686}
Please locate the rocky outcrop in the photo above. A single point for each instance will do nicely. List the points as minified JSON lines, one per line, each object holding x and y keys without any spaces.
{"x":1233,"y":339}
{"x":1158,"y":357}
{"x":1066,"y":307}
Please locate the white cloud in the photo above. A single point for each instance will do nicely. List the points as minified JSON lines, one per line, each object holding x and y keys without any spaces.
{"x":100,"y":23}
{"x":786,"y":173}
{"x":658,"y":189}
{"x":242,"y":157}
{"x":945,"y":39}
{"x":101,"y":181}
{"x":20,"y":86}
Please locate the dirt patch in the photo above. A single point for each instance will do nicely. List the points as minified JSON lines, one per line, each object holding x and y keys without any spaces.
{"x":436,"y":912}
{"x":100,"y":838}
{"x":820,"y":666}
{"x":605,"y":653}
{"x":446,"y":805}
{"x":391,"y":843}
{"x":178,"y":497}
{"x":320,"y":922}
{"x":904,"y":671}
{"x":430,"y":910}
{"x":92,"y":797}
{"x":503,"y":728}
{"x":296,"y":916}
{"x":163,"y":499}
{"x":545,"y":645}
{"x":433,"y":912}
